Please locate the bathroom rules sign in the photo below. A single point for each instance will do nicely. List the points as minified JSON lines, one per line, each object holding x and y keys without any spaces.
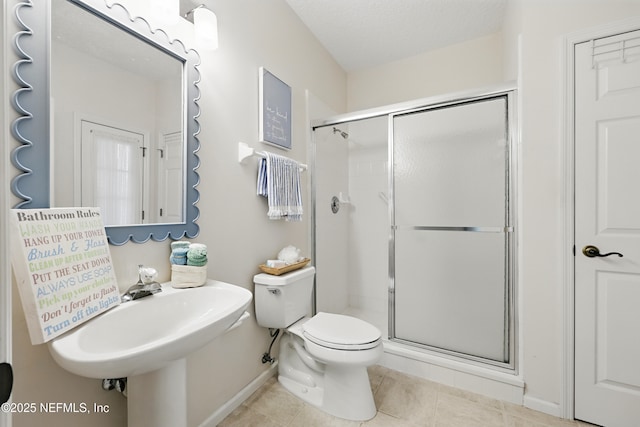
{"x":62,"y":265}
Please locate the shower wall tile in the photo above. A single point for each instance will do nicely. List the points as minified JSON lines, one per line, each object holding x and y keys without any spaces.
{"x":366,"y":169}
{"x":368,"y":240}
{"x":332,"y":230}
{"x":375,"y":303}
{"x":376,"y":318}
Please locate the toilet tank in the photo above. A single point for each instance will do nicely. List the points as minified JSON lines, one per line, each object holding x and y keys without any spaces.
{"x":282,"y":300}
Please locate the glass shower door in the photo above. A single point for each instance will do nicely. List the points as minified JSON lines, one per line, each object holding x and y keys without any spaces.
{"x":451,"y":230}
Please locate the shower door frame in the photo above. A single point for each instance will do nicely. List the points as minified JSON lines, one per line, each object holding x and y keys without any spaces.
{"x":509,"y":231}
{"x":509,"y":91}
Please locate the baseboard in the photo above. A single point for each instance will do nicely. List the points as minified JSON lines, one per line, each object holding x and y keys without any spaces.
{"x":237,"y":400}
{"x":542,"y":406}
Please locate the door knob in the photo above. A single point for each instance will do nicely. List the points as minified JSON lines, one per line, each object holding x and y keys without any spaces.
{"x":592,"y":252}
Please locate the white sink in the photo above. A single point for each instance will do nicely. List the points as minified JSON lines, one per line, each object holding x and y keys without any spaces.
{"x":147,"y":334}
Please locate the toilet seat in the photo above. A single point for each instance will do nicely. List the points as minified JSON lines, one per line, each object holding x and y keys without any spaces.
{"x":336,"y":331}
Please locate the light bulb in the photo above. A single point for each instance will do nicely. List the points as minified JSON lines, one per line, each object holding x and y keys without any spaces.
{"x":206,"y":27}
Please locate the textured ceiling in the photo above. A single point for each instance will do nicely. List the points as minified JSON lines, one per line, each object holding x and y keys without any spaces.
{"x":365,"y":33}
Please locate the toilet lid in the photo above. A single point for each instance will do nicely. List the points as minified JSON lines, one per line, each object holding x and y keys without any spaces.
{"x":341,"y":332}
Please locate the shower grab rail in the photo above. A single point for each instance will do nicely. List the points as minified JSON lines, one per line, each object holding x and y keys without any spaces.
{"x":244,"y":152}
{"x":454,"y":228}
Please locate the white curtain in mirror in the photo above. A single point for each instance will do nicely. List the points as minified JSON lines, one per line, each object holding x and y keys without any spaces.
{"x":112,"y":173}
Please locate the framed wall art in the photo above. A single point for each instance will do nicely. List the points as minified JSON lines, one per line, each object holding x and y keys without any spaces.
{"x":275,"y":110}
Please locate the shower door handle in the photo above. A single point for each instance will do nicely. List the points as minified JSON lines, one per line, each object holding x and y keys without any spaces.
{"x":593,"y":252}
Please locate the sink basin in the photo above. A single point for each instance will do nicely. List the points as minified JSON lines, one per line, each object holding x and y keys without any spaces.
{"x":147,"y":334}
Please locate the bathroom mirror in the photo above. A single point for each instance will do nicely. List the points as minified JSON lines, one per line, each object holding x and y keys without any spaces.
{"x":107,"y":116}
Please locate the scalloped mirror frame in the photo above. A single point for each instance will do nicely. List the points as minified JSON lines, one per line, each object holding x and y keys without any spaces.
{"x":31,"y":127}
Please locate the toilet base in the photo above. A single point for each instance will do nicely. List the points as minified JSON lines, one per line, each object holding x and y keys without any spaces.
{"x":341,"y":391}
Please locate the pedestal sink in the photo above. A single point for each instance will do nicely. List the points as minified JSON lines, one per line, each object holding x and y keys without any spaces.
{"x":147,"y":341}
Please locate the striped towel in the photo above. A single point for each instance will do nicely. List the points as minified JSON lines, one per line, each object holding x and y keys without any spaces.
{"x":279,"y":182}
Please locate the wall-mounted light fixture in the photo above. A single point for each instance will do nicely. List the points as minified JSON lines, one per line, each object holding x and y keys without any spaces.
{"x":206,"y":26}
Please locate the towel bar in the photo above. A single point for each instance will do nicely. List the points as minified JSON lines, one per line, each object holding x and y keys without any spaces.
{"x":244,"y":152}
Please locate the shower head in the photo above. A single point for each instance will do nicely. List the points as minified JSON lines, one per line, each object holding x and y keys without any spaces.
{"x":342,"y":133}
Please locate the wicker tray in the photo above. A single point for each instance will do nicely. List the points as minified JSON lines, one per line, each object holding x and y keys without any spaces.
{"x":281,"y":270}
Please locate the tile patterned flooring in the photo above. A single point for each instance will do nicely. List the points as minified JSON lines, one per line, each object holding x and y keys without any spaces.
{"x":402,"y":401}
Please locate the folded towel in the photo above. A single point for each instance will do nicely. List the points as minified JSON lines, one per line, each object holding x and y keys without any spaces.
{"x":196,"y":263}
{"x":197,"y":254}
{"x":178,"y":260}
{"x":179,"y":253}
{"x":199,"y":248}
{"x":279,"y":182}
{"x":178,"y":244}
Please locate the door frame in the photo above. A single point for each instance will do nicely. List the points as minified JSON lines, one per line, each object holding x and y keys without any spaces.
{"x":5,"y":201}
{"x":567,"y":402}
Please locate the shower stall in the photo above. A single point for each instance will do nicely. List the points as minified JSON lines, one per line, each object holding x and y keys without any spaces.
{"x":414,"y":225}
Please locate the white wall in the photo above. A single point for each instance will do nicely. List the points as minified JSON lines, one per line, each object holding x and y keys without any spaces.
{"x":232,"y":221}
{"x":459,"y":67}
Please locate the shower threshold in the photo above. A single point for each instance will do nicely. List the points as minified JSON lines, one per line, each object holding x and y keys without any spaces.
{"x":487,"y":380}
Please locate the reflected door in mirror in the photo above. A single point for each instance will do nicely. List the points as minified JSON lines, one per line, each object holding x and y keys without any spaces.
{"x":171,"y":185}
{"x":113,"y":165}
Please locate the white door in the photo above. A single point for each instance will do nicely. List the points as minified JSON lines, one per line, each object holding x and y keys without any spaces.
{"x":171,"y":195}
{"x":607,"y":217}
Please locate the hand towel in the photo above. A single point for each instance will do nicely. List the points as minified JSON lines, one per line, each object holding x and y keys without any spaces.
{"x":279,"y":182}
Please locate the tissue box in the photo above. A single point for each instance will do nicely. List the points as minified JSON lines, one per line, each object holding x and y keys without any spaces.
{"x":188,"y":276}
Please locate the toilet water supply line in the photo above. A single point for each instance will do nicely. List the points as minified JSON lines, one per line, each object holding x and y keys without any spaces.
{"x":266,"y":357}
{"x":304,"y":355}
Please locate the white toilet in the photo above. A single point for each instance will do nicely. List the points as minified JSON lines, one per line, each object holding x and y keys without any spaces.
{"x":323,"y":359}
